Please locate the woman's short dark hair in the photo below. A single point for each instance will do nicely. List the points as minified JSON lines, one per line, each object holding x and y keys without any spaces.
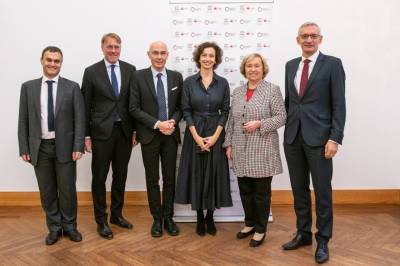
{"x":199,"y":50}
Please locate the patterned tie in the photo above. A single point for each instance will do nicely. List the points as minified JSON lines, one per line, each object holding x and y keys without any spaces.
{"x":50,"y":106}
{"x":304,"y":78}
{"x":114,"y":81}
{"x":162,"y":107}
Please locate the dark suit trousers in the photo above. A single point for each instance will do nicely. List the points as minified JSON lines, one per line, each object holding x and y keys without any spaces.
{"x":303,"y":160}
{"x":164,"y":147}
{"x":115,"y":151}
{"x":255,"y":194}
{"x":57,"y":188}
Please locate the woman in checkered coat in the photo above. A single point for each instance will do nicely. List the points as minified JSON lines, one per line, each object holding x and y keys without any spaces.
{"x":252,"y":142}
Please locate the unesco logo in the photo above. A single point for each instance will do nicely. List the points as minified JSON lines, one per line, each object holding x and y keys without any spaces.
{"x":213,"y":34}
{"x":181,"y":59}
{"x":246,"y":34}
{"x":180,"y":34}
{"x":262,"y":20}
{"x":213,"y":8}
{"x":244,"y":9}
{"x":178,"y":9}
{"x":261,"y":46}
{"x":229,"y":21}
{"x":228,"y":71}
{"x":229,"y":46}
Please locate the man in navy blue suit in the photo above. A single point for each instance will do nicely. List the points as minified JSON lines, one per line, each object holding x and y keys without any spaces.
{"x":316,"y":114}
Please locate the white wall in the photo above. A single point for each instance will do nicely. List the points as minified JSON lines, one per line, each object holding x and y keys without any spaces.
{"x":364,"y":34}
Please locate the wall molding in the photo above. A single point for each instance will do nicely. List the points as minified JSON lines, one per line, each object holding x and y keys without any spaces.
{"x":279,"y":197}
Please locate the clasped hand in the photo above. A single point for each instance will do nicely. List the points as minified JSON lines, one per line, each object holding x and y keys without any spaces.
{"x":206,"y":143}
{"x":167,"y":127}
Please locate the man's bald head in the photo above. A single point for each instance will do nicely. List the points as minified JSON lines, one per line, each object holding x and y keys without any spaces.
{"x":158,"y":54}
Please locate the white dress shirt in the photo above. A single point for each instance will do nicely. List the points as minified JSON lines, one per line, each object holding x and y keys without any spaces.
{"x":46,"y":134}
{"x":311,"y":64}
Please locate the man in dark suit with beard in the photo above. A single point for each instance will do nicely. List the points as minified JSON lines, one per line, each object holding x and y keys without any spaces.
{"x":316,"y":114}
{"x":155,"y":105}
{"x":109,"y":130}
{"x":51,"y":130}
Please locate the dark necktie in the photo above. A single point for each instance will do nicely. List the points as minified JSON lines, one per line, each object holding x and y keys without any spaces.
{"x":304,"y":78}
{"x":162,"y":107}
{"x":50,"y":106}
{"x":114,"y":81}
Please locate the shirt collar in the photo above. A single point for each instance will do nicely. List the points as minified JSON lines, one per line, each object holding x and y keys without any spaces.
{"x":55,"y":79}
{"x":312,"y":58}
{"x":215,"y":76}
{"x":155,"y":72}
{"x":108,"y":64}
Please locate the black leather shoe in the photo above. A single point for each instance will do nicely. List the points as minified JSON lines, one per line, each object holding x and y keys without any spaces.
{"x":322,"y":253}
{"x":53,"y":237}
{"x":255,"y":243}
{"x":241,"y":235}
{"x":121,"y":222}
{"x":211,"y":229}
{"x":298,"y":241}
{"x":171,"y":227}
{"x":73,"y":235}
{"x":200,"y":227}
{"x":156,"y":228}
{"x":105,"y":231}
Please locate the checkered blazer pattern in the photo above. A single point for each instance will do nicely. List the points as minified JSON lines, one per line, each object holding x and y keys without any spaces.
{"x":256,"y":154}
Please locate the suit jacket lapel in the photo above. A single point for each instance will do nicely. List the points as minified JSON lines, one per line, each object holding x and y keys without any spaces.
{"x":316,"y":69}
{"x":169,"y":89}
{"x":150,"y":83}
{"x":104,"y":74}
{"x":169,"y":82}
{"x":124,"y":78}
{"x":292,"y":75}
{"x":36,"y":96}
{"x":59,"y":96}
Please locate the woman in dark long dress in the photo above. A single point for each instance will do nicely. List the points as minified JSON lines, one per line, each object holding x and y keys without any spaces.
{"x":203,"y":178}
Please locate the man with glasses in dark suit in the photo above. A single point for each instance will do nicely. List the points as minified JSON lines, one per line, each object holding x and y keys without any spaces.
{"x":316,"y":114}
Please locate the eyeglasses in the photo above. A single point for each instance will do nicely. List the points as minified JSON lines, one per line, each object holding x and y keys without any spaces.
{"x":312,"y":36}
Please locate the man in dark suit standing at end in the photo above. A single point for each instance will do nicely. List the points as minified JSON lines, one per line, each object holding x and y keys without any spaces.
{"x":155,"y":104}
{"x":51,"y":130}
{"x":316,"y":109}
{"x":109,"y":130}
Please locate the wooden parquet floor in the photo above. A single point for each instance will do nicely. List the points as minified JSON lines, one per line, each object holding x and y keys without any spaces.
{"x":363,"y":235}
